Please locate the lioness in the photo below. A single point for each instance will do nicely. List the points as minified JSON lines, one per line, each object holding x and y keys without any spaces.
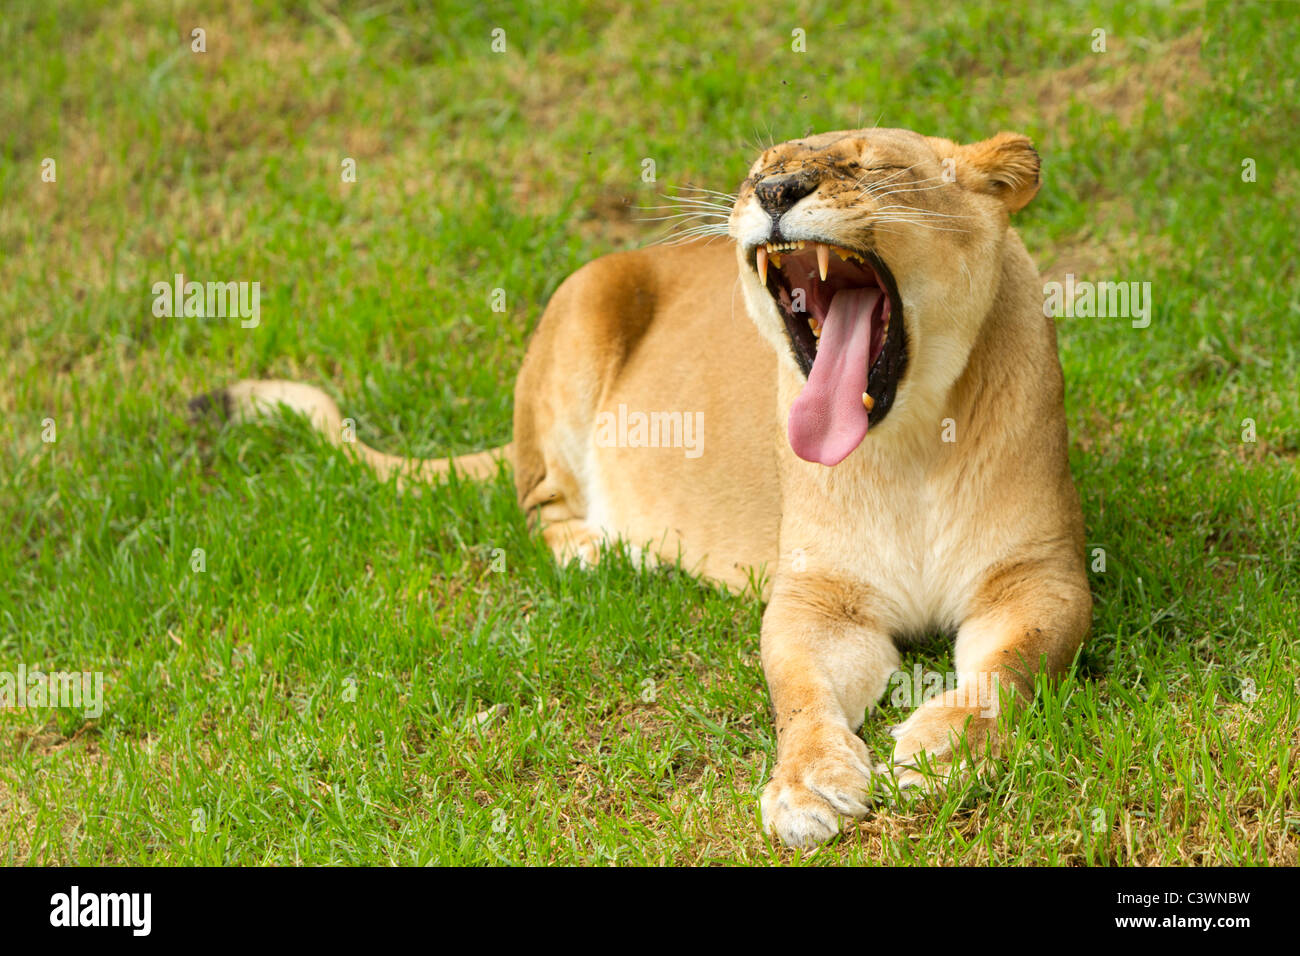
{"x":885,"y":435}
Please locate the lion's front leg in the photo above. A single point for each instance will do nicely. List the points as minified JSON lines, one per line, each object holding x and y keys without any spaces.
{"x":1037,"y":623}
{"x":824,"y":667}
{"x":936,"y":737}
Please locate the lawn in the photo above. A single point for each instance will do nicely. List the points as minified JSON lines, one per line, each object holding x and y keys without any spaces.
{"x":302,"y":665}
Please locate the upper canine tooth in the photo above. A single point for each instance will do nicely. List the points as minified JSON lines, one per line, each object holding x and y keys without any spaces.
{"x":823,"y":259}
{"x":761,"y":262}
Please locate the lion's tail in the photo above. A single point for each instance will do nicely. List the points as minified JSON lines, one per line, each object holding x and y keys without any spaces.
{"x":253,"y":400}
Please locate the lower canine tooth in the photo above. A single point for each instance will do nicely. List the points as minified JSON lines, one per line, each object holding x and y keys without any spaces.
{"x":868,"y":402}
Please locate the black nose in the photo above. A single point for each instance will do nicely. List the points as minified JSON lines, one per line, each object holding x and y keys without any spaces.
{"x":776,"y":194}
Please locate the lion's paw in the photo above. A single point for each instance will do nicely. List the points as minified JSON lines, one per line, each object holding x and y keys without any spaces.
{"x":946,"y":735}
{"x":812,"y":788}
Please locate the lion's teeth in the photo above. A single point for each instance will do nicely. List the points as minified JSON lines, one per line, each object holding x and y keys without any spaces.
{"x":815,"y":326}
{"x":774,"y":251}
{"x":868,"y":402}
{"x":761,"y":262}
{"x":784,"y":246}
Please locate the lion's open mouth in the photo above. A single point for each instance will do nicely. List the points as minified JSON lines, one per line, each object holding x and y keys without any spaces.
{"x":844,"y":321}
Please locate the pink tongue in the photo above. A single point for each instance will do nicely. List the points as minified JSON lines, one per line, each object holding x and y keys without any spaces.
{"x":828,"y":419}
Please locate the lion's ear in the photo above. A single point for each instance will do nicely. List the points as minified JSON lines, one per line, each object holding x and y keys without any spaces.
{"x":1005,"y":166}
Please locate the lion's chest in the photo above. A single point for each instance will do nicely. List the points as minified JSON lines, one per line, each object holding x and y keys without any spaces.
{"x":918,"y":545}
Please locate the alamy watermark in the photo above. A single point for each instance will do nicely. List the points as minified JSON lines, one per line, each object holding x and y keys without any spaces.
{"x":35,"y":689}
{"x":977,"y":690}
{"x":1100,"y":300}
{"x":208,"y":300}
{"x":626,"y":429}
{"x":75,"y":908}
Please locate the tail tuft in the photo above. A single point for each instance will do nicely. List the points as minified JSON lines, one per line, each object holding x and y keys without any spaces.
{"x":208,"y":405}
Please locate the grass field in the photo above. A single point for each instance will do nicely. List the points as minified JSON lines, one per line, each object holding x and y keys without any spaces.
{"x":310,"y":696}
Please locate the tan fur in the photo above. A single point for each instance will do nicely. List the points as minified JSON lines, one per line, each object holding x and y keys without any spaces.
{"x":981,"y":537}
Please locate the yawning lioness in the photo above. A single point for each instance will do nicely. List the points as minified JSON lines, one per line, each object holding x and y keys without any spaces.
{"x":883,"y":435}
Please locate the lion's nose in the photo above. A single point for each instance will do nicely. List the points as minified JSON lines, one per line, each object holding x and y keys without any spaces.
{"x":778,"y":193}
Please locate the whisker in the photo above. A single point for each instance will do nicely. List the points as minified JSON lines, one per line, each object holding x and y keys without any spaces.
{"x":684,"y":216}
{"x":699,"y":189}
{"x":706,"y":229}
{"x":924,"y":225}
{"x":678,"y":240}
{"x":894,"y":174}
{"x":720,"y":200}
{"x":922,"y":212}
{"x":693,"y":201}
{"x":688,"y":208}
{"x":678,"y":211}
{"x":706,"y":197}
{"x":689,"y":187}
{"x":690,"y":213}
{"x":904,"y":187}
{"x":901,"y":190}
{"x":682,"y":239}
{"x":903,"y":217}
{"x":693,"y":207}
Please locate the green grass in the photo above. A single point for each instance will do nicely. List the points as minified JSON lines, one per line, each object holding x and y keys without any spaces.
{"x":310,"y":697}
